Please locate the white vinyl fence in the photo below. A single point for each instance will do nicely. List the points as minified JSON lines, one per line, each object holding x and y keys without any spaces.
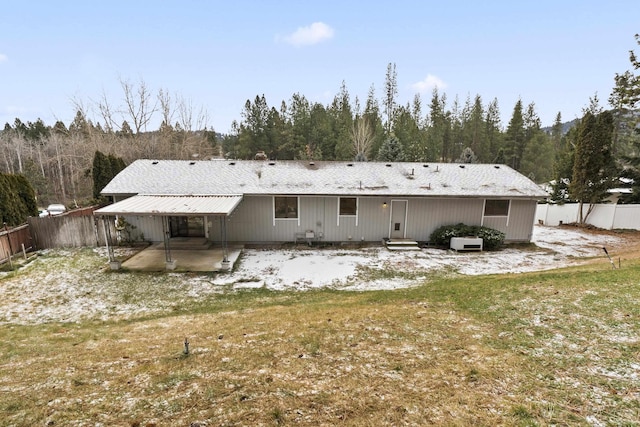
{"x":605,"y":216}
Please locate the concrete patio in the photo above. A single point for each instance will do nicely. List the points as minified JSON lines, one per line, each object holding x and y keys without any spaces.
{"x":187,"y":255}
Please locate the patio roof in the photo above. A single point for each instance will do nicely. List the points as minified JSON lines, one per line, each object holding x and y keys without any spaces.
{"x":173,"y":205}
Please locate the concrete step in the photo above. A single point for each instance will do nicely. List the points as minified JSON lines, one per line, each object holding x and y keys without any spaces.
{"x":402,"y":245}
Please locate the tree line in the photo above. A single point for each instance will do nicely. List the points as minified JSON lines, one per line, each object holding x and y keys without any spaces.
{"x":60,"y":160}
{"x":383,"y":130}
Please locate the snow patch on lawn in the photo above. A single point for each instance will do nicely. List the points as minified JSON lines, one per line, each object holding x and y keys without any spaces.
{"x":73,"y":285}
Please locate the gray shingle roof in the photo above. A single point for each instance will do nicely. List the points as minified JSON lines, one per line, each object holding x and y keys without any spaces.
{"x":224,"y":177}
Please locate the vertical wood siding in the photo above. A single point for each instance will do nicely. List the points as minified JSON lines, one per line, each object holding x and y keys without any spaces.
{"x":147,"y":228}
{"x":252,"y":221}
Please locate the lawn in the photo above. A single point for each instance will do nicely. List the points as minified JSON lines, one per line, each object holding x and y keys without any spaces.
{"x":560,"y":347}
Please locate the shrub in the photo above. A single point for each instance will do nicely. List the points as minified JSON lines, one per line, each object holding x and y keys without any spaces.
{"x":491,"y":239}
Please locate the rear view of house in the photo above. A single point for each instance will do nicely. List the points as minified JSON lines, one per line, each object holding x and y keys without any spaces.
{"x":284,"y":201}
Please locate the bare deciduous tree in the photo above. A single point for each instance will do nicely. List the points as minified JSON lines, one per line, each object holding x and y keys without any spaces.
{"x":362,"y":137}
{"x":139,"y":104}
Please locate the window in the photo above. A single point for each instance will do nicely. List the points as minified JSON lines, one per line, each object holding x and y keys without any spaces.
{"x":496,"y":208}
{"x":286,"y":207}
{"x":348,"y":206}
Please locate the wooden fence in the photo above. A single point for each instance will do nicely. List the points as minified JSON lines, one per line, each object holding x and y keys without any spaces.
{"x":13,"y":241}
{"x":64,"y":231}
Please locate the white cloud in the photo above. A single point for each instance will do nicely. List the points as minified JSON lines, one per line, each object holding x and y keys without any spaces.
{"x":312,"y":34}
{"x":3,"y":58}
{"x":428,"y":84}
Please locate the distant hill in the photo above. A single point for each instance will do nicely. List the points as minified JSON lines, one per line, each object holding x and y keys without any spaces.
{"x":565,"y":126}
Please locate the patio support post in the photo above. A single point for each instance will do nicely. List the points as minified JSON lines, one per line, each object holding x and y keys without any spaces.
{"x":226,"y":265}
{"x":169,"y":263}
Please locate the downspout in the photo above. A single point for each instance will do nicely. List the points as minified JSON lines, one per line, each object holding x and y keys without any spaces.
{"x":115,"y":264}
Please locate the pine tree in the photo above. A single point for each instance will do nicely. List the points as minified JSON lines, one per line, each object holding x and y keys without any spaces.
{"x":625,"y":99}
{"x":391,"y":151}
{"x":515,"y":137}
{"x":593,"y":164}
{"x":391,"y":93}
{"x":467,"y":156}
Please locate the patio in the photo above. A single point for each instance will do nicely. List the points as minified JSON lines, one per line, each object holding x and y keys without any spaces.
{"x":188,"y":255}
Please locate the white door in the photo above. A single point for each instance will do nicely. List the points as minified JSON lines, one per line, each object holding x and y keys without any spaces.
{"x":398,"y":219}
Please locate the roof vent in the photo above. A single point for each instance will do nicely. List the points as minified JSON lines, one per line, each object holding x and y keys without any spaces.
{"x":272,"y":163}
{"x":388,"y":165}
{"x":192,"y":163}
{"x":349,"y":164}
{"x":425,"y":166}
{"x":311,"y":163}
{"x":497,"y":167}
{"x":461,"y":166}
{"x":155,"y":162}
{"x":232,"y":163}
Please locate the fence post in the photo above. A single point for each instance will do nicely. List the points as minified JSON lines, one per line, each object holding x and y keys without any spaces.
{"x":6,"y":229}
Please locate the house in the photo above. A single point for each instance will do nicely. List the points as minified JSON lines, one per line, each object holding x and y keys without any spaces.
{"x":235,"y":201}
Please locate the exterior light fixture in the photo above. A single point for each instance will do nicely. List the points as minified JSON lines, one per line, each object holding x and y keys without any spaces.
{"x":384,"y":204}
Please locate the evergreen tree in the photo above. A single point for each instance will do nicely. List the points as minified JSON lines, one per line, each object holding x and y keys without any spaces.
{"x":17,"y":199}
{"x":436,"y":129}
{"x":391,"y":94}
{"x":492,"y":133}
{"x":372,"y":116}
{"x":515,"y":137}
{"x":104,"y":169}
{"x":501,"y":158}
{"x":342,"y":116}
{"x":563,"y":167}
{"x":406,"y":130}
{"x":391,"y":151}
{"x":321,"y":134}
{"x":625,"y":99}
{"x":593,"y":165}
{"x":467,"y":156}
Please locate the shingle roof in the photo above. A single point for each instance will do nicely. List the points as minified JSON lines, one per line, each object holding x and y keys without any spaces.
{"x":224,"y":177}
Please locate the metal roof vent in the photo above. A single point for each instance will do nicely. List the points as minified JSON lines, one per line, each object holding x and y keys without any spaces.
{"x":232,"y":163}
{"x":272,"y":163}
{"x":192,"y":163}
{"x":349,"y":164}
{"x":311,"y":163}
{"x":155,"y":162}
{"x":497,"y":167}
{"x":425,"y":166}
{"x":461,"y":166}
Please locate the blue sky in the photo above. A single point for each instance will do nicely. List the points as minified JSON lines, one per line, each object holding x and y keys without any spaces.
{"x":218,"y":54}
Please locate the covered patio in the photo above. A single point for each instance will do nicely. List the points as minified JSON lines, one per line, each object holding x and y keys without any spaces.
{"x":181,"y":254}
{"x":188,"y":258}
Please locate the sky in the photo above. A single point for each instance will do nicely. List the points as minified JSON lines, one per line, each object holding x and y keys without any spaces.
{"x":216,"y":55}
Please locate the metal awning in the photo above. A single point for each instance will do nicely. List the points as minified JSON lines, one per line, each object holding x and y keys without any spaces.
{"x":173,"y":205}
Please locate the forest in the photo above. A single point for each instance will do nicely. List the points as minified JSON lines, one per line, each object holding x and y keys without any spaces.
{"x":58,"y":159}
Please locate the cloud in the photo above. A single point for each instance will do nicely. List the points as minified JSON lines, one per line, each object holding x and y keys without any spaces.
{"x":428,"y":84}
{"x":312,"y":34}
{"x":3,"y":58}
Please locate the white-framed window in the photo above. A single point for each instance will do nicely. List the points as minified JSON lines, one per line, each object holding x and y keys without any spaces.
{"x":285,"y":207}
{"x":496,"y":207}
{"x":348,"y":206}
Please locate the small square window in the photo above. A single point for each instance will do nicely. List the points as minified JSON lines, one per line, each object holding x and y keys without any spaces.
{"x":286,"y":207}
{"x":348,"y":206}
{"x":496,"y":208}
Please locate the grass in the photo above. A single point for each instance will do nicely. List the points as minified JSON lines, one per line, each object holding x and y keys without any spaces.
{"x":551,"y":348}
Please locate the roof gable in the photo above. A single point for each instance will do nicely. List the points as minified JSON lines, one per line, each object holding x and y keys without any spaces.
{"x":224,"y":177}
